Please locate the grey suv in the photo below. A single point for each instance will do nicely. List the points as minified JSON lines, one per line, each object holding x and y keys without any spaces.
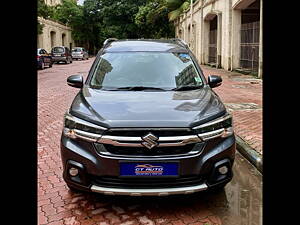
{"x":146,"y":122}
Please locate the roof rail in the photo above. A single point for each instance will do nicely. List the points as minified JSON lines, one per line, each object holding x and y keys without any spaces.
{"x":108,"y":40}
{"x":180,"y":42}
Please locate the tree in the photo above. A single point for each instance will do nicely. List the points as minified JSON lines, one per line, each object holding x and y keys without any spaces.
{"x":108,"y":18}
{"x":174,"y":7}
{"x":43,"y":11}
{"x":152,"y":24}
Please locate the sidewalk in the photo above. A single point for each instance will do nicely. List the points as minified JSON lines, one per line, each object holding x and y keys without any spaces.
{"x":242,"y":95}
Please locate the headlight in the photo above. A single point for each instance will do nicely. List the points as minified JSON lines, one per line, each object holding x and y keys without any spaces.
{"x":221,"y":127}
{"x":78,"y":128}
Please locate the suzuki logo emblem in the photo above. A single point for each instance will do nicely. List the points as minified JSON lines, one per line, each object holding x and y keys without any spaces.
{"x":149,"y":141}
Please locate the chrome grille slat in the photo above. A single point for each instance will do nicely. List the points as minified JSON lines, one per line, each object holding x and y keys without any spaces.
{"x":162,"y":141}
{"x":150,"y":142}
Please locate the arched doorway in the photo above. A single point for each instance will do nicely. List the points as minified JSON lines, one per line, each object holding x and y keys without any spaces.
{"x":189,"y":35}
{"x":212,"y":39}
{"x":249,"y":45}
{"x":180,"y":33}
{"x":212,"y":47}
{"x":63,"y":39}
{"x":53,"y":38}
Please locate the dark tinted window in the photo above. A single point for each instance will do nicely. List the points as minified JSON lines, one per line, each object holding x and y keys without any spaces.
{"x":76,"y":50}
{"x":58,"y":50}
{"x":154,"y":69}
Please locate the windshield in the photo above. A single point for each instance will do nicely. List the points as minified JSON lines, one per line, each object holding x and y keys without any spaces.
{"x":145,"y":69}
{"x":58,"y":50}
{"x":76,"y":50}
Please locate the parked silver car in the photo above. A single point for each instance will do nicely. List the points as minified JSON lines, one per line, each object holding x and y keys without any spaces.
{"x":79,"y":53}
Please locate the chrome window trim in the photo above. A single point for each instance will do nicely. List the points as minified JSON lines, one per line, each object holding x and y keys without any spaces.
{"x":218,"y":120}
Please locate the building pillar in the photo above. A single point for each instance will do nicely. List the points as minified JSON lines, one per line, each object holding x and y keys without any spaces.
{"x":227,"y":33}
{"x":236,"y":39}
{"x":202,"y":37}
{"x":219,"y":40}
{"x":260,"y":54}
{"x":205,"y":41}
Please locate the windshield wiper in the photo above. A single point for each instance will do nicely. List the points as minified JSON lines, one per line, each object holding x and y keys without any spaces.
{"x":184,"y":88}
{"x":139,"y":88}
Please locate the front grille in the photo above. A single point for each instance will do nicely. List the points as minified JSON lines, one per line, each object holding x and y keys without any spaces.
{"x":150,"y":152}
{"x":162,"y":132}
{"x":145,"y":182}
{"x":129,"y":142}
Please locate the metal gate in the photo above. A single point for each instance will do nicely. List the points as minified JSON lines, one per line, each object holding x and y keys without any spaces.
{"x":212,"y":48}
{"x":249,"y":46}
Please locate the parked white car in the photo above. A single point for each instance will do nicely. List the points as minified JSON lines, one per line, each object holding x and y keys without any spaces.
{"x":79,"y":53}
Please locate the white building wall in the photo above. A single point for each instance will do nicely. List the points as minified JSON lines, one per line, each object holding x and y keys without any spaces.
{"x":44,"y":39}
{"x":229,"y":25}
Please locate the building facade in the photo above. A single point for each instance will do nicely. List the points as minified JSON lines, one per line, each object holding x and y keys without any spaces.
{"x":54,"y":33}
{"x":224,"y":33}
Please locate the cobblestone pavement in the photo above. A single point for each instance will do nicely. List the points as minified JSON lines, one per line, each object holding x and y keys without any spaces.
{"x":240,"y":203}
{"x":242,"y":94}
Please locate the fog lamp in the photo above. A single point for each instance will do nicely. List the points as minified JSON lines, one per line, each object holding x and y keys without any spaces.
{"x":73,"y":171}
{"x":223,"y":170}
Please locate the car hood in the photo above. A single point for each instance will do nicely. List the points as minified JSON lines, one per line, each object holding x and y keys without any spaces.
{"x":147,"y":108}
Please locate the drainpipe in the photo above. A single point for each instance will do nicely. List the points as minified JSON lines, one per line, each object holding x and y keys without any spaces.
{"x":191,"y":21}
{"x":219,"y":39}
{"x":202,"y":35}
{"x":260,"y":54}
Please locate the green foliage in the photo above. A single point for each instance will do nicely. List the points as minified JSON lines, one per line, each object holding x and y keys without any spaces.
{"x":98,"y":20}
{"x":43,"y":11}
{"x":68,"y":12}
{"x":177,"y":7}
{"x":152,"y":21}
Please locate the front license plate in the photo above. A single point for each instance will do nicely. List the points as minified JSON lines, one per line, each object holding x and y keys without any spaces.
{"x":149,"y":169}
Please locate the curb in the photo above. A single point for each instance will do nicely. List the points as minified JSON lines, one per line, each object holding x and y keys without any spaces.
{"x":249,"y":153}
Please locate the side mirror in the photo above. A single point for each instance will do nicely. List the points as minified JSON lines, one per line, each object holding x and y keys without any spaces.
{"x":214,"y":81}
{"x":75,"y":81}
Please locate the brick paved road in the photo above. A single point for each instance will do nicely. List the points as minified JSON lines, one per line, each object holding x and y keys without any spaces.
{"x":239,"y":204}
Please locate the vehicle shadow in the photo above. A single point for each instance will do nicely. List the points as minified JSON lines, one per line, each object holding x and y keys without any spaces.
{"x":192,"y":208}
{"x":238,"y":203}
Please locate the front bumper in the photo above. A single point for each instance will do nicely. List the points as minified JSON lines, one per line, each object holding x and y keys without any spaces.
{"x":77,"y":56}
{"x":59,"y":58}
{"x":100,"y":173}
{"x":148,"y":192}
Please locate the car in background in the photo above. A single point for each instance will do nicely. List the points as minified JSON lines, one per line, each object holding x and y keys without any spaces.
{"x":43,"y":59}
{"x":61,"y":54}
{"x":79,"y":53}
